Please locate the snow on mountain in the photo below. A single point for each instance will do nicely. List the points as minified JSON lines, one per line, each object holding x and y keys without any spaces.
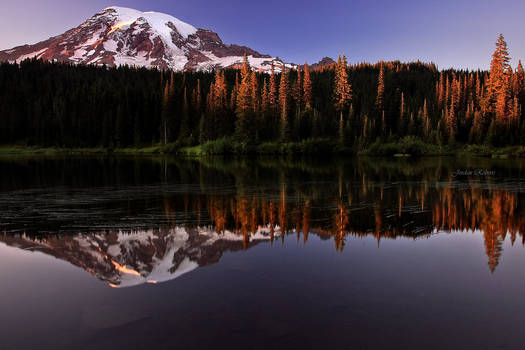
{"x":125,"y":17}
{"x":123,"y":36}
{"x":124,"y":259}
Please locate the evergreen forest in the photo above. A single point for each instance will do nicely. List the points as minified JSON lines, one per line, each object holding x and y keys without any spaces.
{"x":341,"y":107}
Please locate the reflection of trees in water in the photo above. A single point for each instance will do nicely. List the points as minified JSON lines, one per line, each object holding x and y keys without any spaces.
{"x":495,"y":212}
{"x":333,"y":198}
{"x":384,"y":211}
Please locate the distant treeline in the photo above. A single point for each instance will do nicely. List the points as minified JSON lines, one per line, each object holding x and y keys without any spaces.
{"x":352,"y":106}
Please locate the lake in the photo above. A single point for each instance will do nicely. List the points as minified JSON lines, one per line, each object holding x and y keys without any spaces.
{"x":268,"y":253}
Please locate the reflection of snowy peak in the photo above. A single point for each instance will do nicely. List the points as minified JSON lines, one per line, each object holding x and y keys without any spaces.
{"x":128,"y":259}
{"x":118,"y":36}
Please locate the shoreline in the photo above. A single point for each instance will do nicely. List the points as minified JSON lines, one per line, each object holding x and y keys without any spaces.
{"x":386,"y":150}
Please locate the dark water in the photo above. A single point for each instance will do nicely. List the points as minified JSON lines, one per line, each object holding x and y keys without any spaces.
{"x":165,"y":253}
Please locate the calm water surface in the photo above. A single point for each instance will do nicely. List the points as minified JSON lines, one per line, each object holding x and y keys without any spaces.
{"x":165,"y":253}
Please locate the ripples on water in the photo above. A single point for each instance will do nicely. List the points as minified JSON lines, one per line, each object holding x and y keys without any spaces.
{"x":137,"y":222}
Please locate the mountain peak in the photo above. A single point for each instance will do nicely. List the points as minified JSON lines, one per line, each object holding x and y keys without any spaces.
{"x":159,"y":21}
{"x":124,"y":36}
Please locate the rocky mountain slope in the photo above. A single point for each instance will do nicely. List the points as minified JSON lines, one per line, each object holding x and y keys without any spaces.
{"x":119,"y":36}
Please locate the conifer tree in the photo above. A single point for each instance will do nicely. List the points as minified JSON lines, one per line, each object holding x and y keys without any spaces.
{"x":265,"y":105}
{"x":244,"y":106}
{"x":342,"y":93}
{"x":307,"y":87}
{"x":194,"y":100}
{"x":441,"y":95}
{"x":235,"y":90}
{"x":504,"y":100}
{"x":380,"y":100}
{"x":516,"y":112}
{"x":436,"y":90}
{"x":478,"y":89}
{"x":272,"y":95}
{"x":446,"y":100}
{"x":490,"y":137}
{"x":499,"y":64}
{"x":475,"y":135}
{"x":218,"y":105}
{"x":255,"y":104}
{"x":426,"y":119}
{"x":298,"y":101}
{"x":172,"y":85}
{"x":412,"y":124}
{"x":283,"y":101}
{"x":198,"y":97}
{"x":455,"y":95}
{"x":451,"y":125}
{"x":219,"y":91}
{"x":465,"y":93}
{"x":139,"y":107}
{"x":255,"y":92}
{"x":298,"y":89}
{"x":496,"y":97}
{"x":518,"y":85}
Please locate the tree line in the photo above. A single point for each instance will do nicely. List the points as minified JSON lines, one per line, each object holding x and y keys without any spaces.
{"x":62,"y":105}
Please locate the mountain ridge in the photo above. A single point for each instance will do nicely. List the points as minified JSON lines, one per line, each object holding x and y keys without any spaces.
{"x":123,"y":36}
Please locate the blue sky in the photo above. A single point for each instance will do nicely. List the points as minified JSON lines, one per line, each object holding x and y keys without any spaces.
{"x":456,"y":33}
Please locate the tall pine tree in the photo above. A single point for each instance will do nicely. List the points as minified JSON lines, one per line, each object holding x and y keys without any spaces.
{"x":244,"y":106}
{"x":307,"y":87}
{"x":284,"y":104}
{"x":342,"y":94}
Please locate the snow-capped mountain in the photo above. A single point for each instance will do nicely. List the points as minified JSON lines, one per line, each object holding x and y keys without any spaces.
{"x":119,"y":36}
{"x":151,"y":256}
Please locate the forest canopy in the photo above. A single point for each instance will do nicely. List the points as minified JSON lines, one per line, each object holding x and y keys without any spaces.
{"x":352,"y":105}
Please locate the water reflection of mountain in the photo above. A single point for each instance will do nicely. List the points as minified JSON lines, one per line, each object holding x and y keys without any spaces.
{"x":128,"y":259}
{"x":198,"y":210}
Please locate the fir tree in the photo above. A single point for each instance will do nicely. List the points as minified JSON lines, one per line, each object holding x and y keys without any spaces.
{"x":478,"y":89}
{"x":219,"y":92}
{"x":426,"y":120}
{"x":298,"y":89}
{"x":283,"y":101}
{"x":451,"y":125}
{"x":496,"y":98}
{"x":217,"y":108}
{"x":342,"y":93}
{"x":380,"y":99}
{"x":272,"y":96}
{"x":307,"y":87}
{"x":519,"y":80}
{"x":441,"y":94}
{"x":235,"y":90}
{"x":265,"y":106}
{"x":244,"y":106}
{"x":198,"y":97}
{"x":504,"y":100}
{"x":446,"y":102}
{"x":455,"y":95}
{"x":516,"y":112}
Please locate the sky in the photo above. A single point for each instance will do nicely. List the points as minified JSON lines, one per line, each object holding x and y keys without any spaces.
{"x":457,"y":33}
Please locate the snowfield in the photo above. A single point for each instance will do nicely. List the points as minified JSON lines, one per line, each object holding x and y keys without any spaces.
{"x":123,"y":36}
